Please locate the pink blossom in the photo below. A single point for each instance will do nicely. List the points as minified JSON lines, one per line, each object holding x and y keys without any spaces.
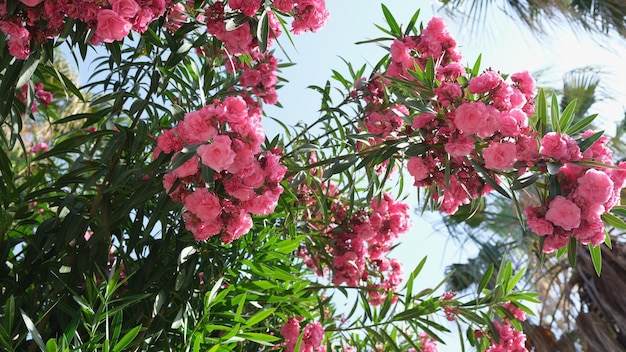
{"x":309,"y":15}
{"x":564,"y":213}
{"x":590,"y":232}
{"x":555,"y":241}
{"x":247,"y":7}
{"x":19,"y":39}
{"x":312,"y":335}
{"x":188,"y":168}
{"x":41,"y":146}
{"x":111,"y":26}
{"x":525,"y":82}
{"x":125,"y":8}
{"x":553,"y":146}
{"x":218,"y":155}
{"x":291,"y":333}
{"x":234,"y":186}
{"x":169,"y":142}
{"x":500,"y":156}
{"x":477,"y":118}
{"x":485,"y":83}
{"x":265,"y":203}
{"x":540,"y":226}
{"x":274,"y":171}
{"x":460,"y":147}
{"x":234,"y":110}
{"x":195,"y":128}
{"x":204,"y":204}
{"x":448,"y":93}
{"x":417,"y":168}
{"x":238,"y":224}
{"x":421,"y":120}
{"x":283,"y":5}
{"x":31,"y":3}
{"x":595,"y":187}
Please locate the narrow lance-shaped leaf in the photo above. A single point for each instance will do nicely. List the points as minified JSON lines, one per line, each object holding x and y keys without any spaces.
{"x":596,"y":258}
{"x":581,"y":124}
{"x":567,"y":117}
{"x":554,"y":114}
{"x":571,"y":251}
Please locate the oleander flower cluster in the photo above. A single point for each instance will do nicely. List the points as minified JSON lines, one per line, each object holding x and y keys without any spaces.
{"x":225,"y":176}
{"x":358,"y":242}
{"x":35,"y":22}
{"x":470,"y":130}
{"x":587,"y":191}
{"x":312,"y":336}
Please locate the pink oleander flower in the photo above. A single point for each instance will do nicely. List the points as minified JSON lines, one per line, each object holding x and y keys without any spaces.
{"x":204,"y":204}
{"x":525,"y":83}
{"x":283,"y":5}
{"x":511,"y":340}
{"x":477,"y":118}
{"x":553,"y":146}
{"x":195,"y":128}
{"x":41,"y":146}
{"x":417,"y":168}
{"x":564,"y":213}
{"x":309,"y":15}
{"x":188,"y":168}
{"x":518,"y":313}
{"x":111,"y":26}
{"x":218,"y":155}
{"x":19,"y":39}
{"x":486,"y":82}
{"x":555,"y":241}
{"x":31,"y":3}
{"x":539,"y":226}
{"x":500,"y":156}
{"x":168,"y":142}
{"x":460,"y":147}
{"x":234,"y":110}
{"x":238,"y":224}
{"x":127,"y":9}
{"x":596,"y":187}
{"x":247,"y":7}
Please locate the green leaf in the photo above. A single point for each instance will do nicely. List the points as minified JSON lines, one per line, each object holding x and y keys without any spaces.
{"x":587,"y":143}
{"x":489,"y":180}
{"x":30,"y":65}
{"x":393,"y":25}
{"x":476,"y":67}
{"x":582,"y":124}
{"x":542,"y":113}
{"x":260,"y":316}
{"x":263,"y":31}
{"x":596,"y":258}
{"x":236,"y":22}
{"x":485,"y":280}
{"x":567,"y":116}
{"x":554,"y":107}
{"x":525,"y":180}
{"x":7,"y":88}
{"x":32,"y":329}
{"x":571,"y":251}
{"x":614,"y":221}
{"x":411,"y":25}
{"x":607,"y":240}
{"x":127,"y":339}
